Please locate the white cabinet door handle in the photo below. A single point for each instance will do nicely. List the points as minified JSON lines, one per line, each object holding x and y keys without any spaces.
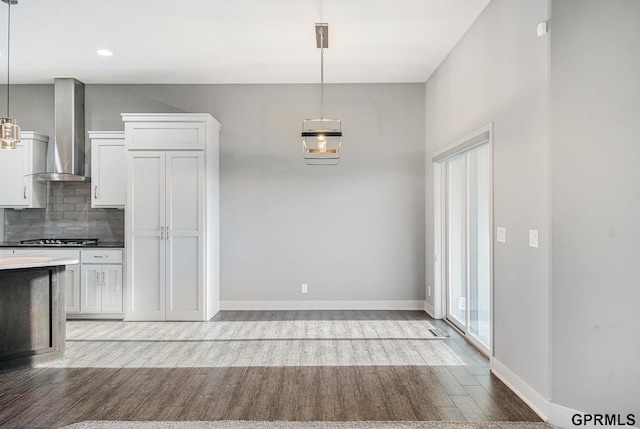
{"x":161,"y":232}
{"x":167,"y":233}
{"x":103,"y":283}
{"x":24,"y":193}
{"x":97,"y":278}
{"x":95,"y":192}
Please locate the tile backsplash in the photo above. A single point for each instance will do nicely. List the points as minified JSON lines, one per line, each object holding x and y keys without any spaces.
{"x":68,"y":215}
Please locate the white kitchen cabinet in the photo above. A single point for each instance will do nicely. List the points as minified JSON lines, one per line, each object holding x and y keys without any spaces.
{"x":167,"y":235}
{"x":17,"y":166}
{"x":172,"y":226}
{"x":101,"y":290}
{"x":108,"y":166}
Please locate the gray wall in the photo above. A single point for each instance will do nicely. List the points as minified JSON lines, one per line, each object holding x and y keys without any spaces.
{"x":498,"y":73}
{"x":31,"y":106}
{"x":351,"y":232}
{"x":595,"y":152}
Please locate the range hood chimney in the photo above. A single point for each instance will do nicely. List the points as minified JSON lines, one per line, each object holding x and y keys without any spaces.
{"x":65,"y":158}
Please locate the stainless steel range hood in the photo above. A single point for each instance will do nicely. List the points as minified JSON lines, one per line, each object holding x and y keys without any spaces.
{"x":65,"y":158}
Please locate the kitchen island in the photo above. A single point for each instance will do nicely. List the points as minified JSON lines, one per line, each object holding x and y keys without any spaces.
{"x":32,"y":309}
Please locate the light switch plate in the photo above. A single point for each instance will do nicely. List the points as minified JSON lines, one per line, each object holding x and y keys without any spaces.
{"x":533,"y":238}
{"x":501,"y":234}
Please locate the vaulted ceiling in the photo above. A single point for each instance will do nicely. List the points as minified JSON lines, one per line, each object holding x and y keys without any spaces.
{"x":231,"y":41}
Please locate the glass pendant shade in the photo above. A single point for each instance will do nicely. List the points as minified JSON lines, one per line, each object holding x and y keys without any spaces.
{"x":321,"y":141}
{"x":9,"y":133}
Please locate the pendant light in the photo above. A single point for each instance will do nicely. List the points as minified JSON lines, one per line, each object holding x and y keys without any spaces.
{"x":321,"y":137}
{"x":9,"y":129}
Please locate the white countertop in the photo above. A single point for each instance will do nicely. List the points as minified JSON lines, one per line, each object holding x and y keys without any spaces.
{"x":11,"y":262}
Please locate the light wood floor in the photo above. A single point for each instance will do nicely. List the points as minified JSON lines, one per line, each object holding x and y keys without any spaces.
{"x":307,"y":365}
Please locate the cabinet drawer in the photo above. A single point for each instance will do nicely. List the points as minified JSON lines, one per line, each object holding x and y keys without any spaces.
{"x":106,"y":256}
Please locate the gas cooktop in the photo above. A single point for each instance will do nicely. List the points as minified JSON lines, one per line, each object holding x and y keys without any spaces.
{"x":60,"y":242}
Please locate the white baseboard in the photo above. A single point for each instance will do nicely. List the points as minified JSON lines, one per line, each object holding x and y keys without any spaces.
{"x":430,"y":309}
{"x":322,"y":305}
{"x":538,"y":404}
{"x":555,"y":414}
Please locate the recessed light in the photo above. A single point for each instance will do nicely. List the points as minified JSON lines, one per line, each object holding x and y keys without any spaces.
{"x":104,"y":52}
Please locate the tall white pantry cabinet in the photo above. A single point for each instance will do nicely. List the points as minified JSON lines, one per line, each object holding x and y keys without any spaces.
{"x":172,"y":221}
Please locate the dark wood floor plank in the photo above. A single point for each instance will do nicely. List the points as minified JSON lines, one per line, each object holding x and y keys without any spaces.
{"x":468,"y":408}
{"x":502,"y":395}
{"x":243,"y":394}
{"x":448,"y":381}
{"x":396,"y":395}
{"x":114,"y":395}
{"x":463,"y":376}
{"x":329,"y":392}
{"x":286,"y":400}
{"x":451,"y":414}
{"x":197,"y":408}
{"x":27,"y":407}
{"x":421,"y":399}
{"x":218,"y":405}
{"x":183,"y":388}
{"x":35,"y":416}
{"x":489,"y":407}
{"x":370,"y":386}
{"x":350,"y":394}
{"x":17,"y":377}
{"x":86,"y":398}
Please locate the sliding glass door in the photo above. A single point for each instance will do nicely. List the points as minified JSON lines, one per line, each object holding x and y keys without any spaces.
{"x":467,"y":242}
{"x":456,"y":240}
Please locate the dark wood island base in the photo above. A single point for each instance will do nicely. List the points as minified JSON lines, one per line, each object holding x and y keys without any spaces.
{"x":32,"y":315}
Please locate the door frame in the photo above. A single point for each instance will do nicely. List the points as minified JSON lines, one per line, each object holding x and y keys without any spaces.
{"x":483,"y":135}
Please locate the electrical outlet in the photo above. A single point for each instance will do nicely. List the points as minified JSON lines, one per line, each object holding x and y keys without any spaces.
{"x":429,"y":290}
{"x":304,"y":288}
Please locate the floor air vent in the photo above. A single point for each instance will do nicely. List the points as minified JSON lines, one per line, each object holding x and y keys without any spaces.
{"x":438,"y":332}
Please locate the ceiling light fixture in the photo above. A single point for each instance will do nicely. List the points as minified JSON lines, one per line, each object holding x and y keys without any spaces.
{"x":103,"y":52}
{"x":9,"y":129}
{"x":321,"y":137}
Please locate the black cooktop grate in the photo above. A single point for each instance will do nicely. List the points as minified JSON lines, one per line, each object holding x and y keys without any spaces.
{"x":60,"y":242}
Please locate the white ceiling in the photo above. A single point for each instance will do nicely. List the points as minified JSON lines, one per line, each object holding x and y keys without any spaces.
{"x":231,"y":41}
